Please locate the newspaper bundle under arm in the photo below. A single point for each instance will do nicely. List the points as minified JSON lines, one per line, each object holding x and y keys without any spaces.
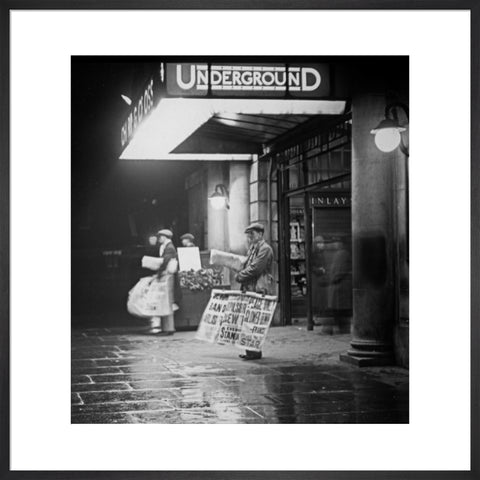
{"x":152,"y":263}
{"x":225,"y":259}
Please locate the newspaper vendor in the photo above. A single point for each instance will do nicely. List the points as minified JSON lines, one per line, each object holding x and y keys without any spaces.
{"x":187,"y":240}
{"x":256,"y":274}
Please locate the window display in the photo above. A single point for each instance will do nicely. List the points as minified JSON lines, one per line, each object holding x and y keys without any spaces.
{"x":298,"y":277}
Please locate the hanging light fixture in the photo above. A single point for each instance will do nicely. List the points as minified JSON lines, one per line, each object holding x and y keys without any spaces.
{"x":219,"y":198}
{"x":388,"y":133}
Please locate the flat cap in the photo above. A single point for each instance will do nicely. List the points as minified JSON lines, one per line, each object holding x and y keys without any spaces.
{"x":255,"y":226}
{"x":165,"y":232}
{"x":187,"y":236}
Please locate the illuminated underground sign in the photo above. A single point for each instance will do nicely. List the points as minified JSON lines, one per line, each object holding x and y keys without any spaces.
{"x":140,"y":109}
{"x":197,"y":79}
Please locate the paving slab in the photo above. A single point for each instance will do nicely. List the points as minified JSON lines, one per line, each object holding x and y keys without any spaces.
{"x":123,"y":375}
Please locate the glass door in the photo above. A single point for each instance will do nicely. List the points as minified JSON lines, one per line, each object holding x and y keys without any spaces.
{"x":331,"y":260}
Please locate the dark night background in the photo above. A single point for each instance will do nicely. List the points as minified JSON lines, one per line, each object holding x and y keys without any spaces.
{"x":105,"y":190}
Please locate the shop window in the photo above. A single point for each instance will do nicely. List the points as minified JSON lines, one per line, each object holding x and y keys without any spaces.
{"x":330,"y":164}
{"x":296,"y":255}
{"x":318,"y":214}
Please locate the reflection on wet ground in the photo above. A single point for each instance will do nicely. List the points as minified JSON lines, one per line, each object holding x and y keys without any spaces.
{"x":123,"y":376}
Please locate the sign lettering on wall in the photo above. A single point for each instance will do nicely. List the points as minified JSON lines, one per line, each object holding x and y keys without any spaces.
{"x":139,"y":110}
{"x":331,"y":200}
{"x":272,"y":80}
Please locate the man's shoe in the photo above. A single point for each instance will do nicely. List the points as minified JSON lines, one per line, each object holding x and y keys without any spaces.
{"x":251,"y":356}
{"x":154,"y":331}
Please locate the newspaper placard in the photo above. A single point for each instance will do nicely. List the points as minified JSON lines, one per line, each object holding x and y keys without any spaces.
{"x":237,"y":318}
{"x":211,"y":318}
{"x":256,"y":321}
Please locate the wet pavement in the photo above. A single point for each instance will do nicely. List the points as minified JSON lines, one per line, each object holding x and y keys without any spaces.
{"x":121,"y":375}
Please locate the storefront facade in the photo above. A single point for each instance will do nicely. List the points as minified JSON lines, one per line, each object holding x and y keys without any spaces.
{"x":289,"y":145}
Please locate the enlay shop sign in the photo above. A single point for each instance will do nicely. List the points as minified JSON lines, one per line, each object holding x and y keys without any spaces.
{"x":248,"y":80}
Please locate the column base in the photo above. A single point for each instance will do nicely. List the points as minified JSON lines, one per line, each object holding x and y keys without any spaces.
{"x":369,"y":353}
{"x":367,"y":361}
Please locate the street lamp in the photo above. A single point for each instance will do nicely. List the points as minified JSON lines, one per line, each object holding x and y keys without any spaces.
{"x":219,"y":198}
{"x":388,"y":136}
{"x":388,"y":133}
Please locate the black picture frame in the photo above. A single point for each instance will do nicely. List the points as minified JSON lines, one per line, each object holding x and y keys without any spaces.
{"x":6,"y":6}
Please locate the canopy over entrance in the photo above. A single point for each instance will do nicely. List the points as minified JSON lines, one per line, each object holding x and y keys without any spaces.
{"x":177,"y":127}
{"x":219,"y":111}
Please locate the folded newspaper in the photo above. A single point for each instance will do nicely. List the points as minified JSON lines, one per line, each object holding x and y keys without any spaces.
{"x":152,"y":263}
{"x":225,"y":259}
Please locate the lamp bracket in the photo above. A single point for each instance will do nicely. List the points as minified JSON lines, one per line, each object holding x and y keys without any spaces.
{"x":391,"y":109}
{"x":222,"y":190}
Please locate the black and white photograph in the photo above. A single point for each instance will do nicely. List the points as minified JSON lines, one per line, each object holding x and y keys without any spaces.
{"x":237,"y":226}
{"x":240,"y":240}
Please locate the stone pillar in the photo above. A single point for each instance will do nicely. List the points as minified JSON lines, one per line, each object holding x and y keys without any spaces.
{"x":258,"y":194}
{"x":372,"y":235}
{"x":401,"y":329}
{"x":216,"y":218}
{"x":239,"y":213}
{"x":263,"y":211}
